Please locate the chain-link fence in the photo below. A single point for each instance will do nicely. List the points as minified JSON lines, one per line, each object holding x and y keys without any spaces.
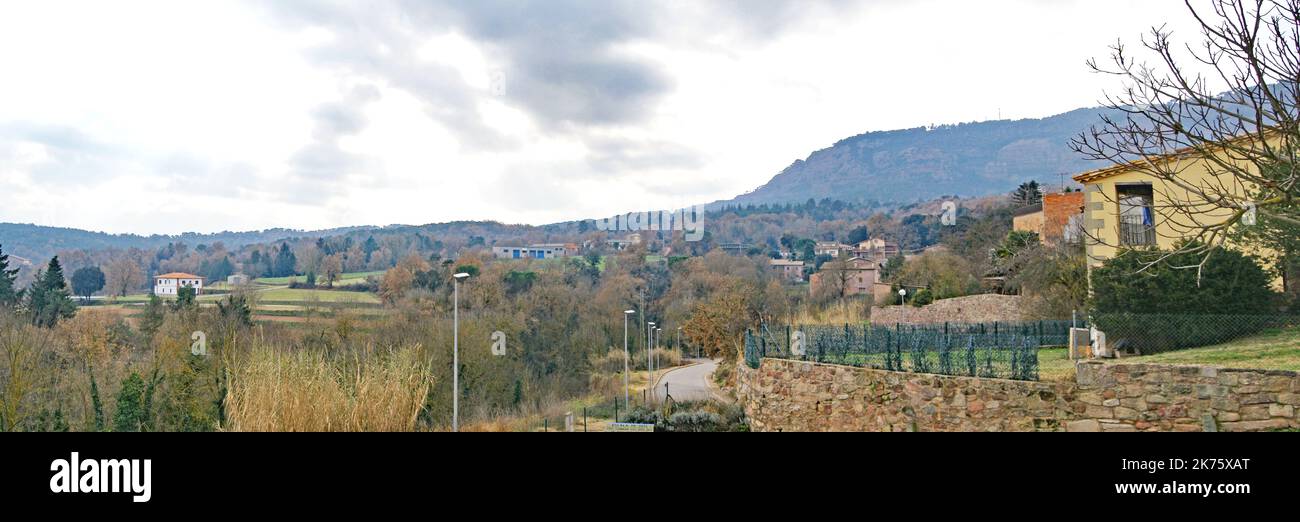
{"x":1146,"y":334}
{"x":999,"y":350}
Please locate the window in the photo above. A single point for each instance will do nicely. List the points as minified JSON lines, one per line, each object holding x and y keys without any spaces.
{"x":1136,"y":217}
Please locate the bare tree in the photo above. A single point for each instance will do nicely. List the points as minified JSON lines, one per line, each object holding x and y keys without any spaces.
{"x":1226,"y":104}
{"x":123,"y":275}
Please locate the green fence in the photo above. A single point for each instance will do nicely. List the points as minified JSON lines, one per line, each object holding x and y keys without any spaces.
{"x":1156,"y":333}
{"x":998,"y":350}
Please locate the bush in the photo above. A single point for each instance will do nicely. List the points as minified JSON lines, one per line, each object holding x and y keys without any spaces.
{"x":923,"y":297}
{"x":1230,"y":283}
{"x":694,"y":421}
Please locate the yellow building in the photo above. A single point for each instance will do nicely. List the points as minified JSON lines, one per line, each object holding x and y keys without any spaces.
{"x":1127,"y":207}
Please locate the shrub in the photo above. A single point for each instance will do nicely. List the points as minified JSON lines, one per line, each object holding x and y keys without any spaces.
{"x":1229,"y":283}
{"x":694,"y":421}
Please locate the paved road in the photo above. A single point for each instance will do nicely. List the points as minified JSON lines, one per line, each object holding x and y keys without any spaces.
{"x":690,"y":383}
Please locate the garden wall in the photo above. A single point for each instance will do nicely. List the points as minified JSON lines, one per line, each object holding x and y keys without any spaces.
{"x":982,"y":308}
{"x":786,"y":395}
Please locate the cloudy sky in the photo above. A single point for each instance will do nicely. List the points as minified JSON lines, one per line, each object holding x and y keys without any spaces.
{"x":163,"y":117}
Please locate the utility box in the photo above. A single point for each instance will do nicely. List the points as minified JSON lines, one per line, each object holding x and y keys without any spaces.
{"x":1080,"y":344}
{"x":1099,"y":347}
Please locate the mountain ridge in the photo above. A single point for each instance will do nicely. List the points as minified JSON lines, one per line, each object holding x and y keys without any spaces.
{"x":909,"y":165}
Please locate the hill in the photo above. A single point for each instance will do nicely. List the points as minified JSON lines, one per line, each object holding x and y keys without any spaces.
{"x":39,"y":243}
{"x":910,"y":165}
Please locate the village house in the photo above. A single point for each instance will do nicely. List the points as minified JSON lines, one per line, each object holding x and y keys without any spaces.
{"x":831,"y":248}
{"x":170,"y":284}
{"x":1057,"y":220}
{"x":1125,"y":207}
{"x":859,"y":277}
{"x":625,"y":243}
{"x":876,"y":249}
{"x":538,"y":251}
{"x":735,"y":249}
{"x":789,"y":270}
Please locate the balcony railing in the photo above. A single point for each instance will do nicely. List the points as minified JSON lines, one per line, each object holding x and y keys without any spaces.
{"x":1137,"y":234}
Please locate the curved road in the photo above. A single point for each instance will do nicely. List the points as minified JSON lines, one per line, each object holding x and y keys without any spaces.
{"x":688,"y":383}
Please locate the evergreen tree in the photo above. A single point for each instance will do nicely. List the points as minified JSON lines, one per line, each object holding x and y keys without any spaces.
{"x":10,"y":295}
{"x":48,"y":299}
{"x":285,"y":262}
{"x":130,"y":414}
{"x":87,"y":280}
{"x":185,"y":297}
{"x":1028,"y":193}
{"x":154,"y":313}
{"x":370,"y":247}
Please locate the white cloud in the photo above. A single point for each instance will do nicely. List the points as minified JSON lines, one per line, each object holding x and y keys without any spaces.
{"x":166,"y":117}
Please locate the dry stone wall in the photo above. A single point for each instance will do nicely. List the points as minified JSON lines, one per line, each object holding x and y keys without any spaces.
{"x":982,"y":308}
{"x":786,"y":395}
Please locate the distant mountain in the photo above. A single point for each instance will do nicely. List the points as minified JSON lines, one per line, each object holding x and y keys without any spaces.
{"x":905,"y":166}
{"x":38,"y":243}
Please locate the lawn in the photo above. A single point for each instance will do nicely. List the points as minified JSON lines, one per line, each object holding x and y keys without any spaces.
{"x":344,"y":279}
{"x":322,"y":296}
{"x":1272,"y":350}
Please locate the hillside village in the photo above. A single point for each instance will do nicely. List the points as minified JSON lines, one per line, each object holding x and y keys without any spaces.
{"x":1154,"y":287}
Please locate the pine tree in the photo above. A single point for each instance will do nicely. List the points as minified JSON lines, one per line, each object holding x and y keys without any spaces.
{"x":1027,"y":194}
{"x":10,"y":296}
{"x":285,"y":262}
{"x":185,"y":297}
{"x":154,"y":314}
{"x":130,"y":414}
{"x":48,"y":299}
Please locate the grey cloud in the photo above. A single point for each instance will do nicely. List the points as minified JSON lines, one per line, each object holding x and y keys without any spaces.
{"x":561,"y":60}
{"x":72,"y":155}
{"x":320,"y":169}
{"x":770,"y":18}
{"x":76,"y":157}
{"x":618,"y":154}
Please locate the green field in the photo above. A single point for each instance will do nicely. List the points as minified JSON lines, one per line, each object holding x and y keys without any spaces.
{"x":344,"y":279}
{"x":275,"y":300}
{"x":282,"y":294}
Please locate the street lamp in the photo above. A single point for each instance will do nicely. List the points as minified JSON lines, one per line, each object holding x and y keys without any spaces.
{"x":650,"y":348}
{"x":658,"y":337}
{"x":626,"y":314}
{"x":455,"y":350}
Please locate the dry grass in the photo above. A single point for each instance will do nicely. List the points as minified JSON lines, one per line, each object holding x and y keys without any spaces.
{"x":839,"y":312}
{"x":665,"y":358}
{"x":305,"y":390}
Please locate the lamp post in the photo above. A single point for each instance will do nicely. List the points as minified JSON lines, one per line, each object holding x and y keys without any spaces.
{"x":626,"y":357}
{"x":649,"y":350}
{"x":659,"y":332}
{"x":455,"y":350}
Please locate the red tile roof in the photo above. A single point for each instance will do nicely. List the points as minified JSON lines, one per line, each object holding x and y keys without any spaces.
{"x":179,"y":275}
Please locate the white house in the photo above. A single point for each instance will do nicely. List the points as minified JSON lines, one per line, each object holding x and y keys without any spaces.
{"x":169,"y":284}
{"x":541,"y":251}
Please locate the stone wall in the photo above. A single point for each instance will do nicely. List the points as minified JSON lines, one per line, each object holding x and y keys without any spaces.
{"x":1162,"y":397}
{"x":784,"y":395}
{"x":982,"y":308}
